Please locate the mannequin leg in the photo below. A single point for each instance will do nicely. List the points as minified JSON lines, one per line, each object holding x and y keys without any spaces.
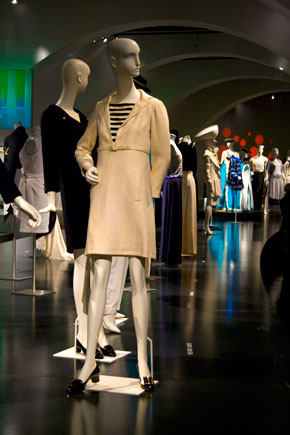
{"x":208,"y":215}
{"x":101,"y":269}
{"x":102,"y":336}
{"x":140,"y":311}
{"x":81,"y":279}
{"x":81,"y":282}
{"x":114,"y":291}
{"x":123,"y":281}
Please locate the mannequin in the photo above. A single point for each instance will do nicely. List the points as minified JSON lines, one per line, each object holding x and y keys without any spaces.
{"x":189,"y":196}
{"x":10,"y":193}
{"x":61,"y":127}
{"x":276,"y":176}
{"x":287,"y":168}
{"x":125,"y":225}
{"x":260,"y":177}
{"x":212,"y":172}
{"x":227,"y":154}
{"x":225,"y":162}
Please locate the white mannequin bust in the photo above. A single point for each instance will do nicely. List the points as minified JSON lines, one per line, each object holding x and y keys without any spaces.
{"x":259,"y":161}
{"x":227,"y":154}
{"x":123,"y":56}
{"x":75,"y":74}
{"x":275,"y":153}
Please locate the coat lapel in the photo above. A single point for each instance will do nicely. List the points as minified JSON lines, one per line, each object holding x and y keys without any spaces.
{"x":105,"y":112}
{"x":141,"y":103}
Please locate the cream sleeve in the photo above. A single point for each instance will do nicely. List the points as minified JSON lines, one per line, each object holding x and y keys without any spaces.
{"x":160,"y":146}
{"x":207,"y":175}
{"x":87,"y":142}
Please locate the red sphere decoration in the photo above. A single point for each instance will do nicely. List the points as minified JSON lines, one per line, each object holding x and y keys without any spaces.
{"x":226,"y":132}
{"x":236,"y":138}
{"x":253,"y":151}
{"x":249,"y":133}
{"x":271,"y":140}
{"x":270,"y":156}
{"x":243,"y":142}
{"x":259,"y":139}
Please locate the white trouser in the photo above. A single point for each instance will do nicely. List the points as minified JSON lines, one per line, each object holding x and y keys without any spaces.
{"x":118,"y":273}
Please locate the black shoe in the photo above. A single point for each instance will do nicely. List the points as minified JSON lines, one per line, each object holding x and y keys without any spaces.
{"x":108,"y":350}
{"x":80,"y":348}
{"x":99,"y":352}
{"x":147,"y":384}
{"x":77,"y":386}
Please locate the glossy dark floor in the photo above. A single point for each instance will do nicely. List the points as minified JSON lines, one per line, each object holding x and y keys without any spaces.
{"x":220,"y":352}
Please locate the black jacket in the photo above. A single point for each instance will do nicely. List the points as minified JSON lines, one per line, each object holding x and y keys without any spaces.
{"x":12,"y":147}
{"x":8,"y":188}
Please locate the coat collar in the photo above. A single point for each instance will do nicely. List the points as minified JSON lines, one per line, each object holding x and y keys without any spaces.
{"x":139,"y":105}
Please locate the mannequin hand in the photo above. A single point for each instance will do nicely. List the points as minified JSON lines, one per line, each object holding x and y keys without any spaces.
{"x":35,"y":218}
{"x":51,"y":203}
{"x":92,"y":175}
{"x":50,"y":207}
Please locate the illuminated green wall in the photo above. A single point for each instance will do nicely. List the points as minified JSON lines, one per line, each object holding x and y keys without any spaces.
{"x":15,"y":98}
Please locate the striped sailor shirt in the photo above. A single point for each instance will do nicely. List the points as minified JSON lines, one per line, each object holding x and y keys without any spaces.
{"x":118,"y":114}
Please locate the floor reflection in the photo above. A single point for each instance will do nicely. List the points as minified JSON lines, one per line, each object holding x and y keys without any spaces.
{"x":218,"y":345}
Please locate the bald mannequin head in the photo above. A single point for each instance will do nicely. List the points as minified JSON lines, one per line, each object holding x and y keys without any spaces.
{"x":75,"y":72}
{"x":123,"y":56}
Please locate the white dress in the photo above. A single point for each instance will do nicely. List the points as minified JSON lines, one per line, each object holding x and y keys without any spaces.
{"x":32,"y":182}
{"x":276,"y":179}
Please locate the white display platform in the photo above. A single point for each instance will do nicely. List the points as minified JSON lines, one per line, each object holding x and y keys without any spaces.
{"x":72,"y":354}
{"x":116,"y":384}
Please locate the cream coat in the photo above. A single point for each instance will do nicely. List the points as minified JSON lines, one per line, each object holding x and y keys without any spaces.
{"x":212,"y":176}
{"x":121,"y":220}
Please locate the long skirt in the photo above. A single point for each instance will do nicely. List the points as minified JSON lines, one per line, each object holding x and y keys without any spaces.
{"x":276,"y":187}
{"x":171,"y":222}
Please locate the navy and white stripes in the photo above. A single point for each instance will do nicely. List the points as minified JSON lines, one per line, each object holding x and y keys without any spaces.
{"x":118,"y":114}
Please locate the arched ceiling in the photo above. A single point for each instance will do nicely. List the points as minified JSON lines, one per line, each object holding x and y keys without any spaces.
{"x":200,"y":49}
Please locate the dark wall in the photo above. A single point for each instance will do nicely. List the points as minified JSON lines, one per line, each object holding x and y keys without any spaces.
{"x":261,"y":116}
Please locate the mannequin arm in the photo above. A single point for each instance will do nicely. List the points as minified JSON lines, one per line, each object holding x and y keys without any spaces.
{"x":160,"y":146}
{"x":35,"y":218}
{"x":223,"y":159}
{"x":207,"y":174}
{"x":51,"y":203}
{"x":85,"y":146}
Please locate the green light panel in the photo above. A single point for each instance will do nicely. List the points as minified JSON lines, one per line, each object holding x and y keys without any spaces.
{"x":15,"y":98}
